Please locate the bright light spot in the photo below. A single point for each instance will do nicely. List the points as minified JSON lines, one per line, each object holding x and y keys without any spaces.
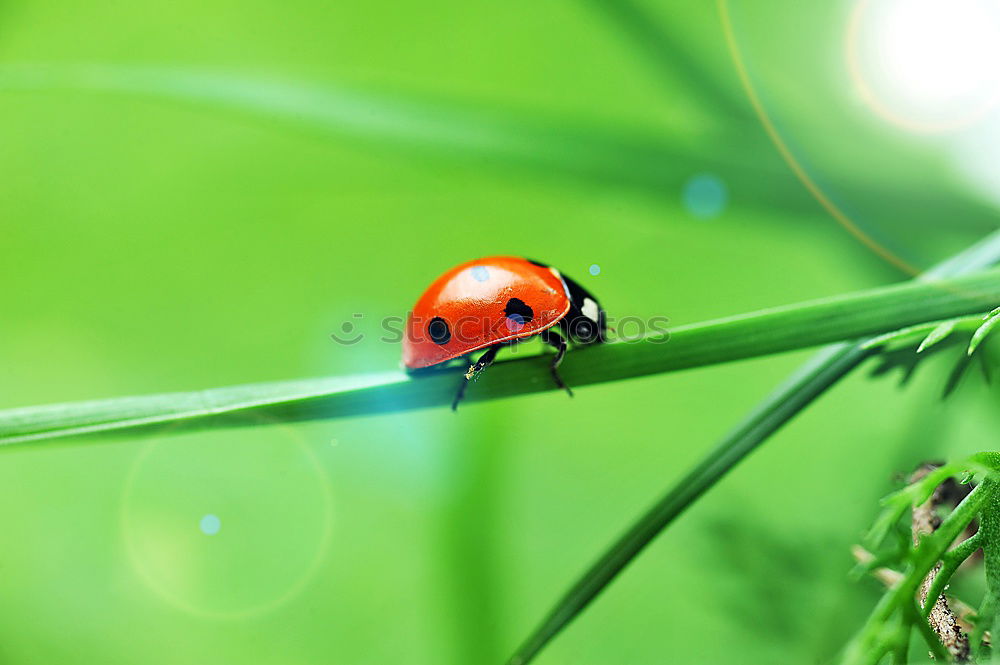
{"x":210,"y":525}
{"x":595,"y":270}
{"x":705,"y":196}
{"x":928,"y":65}
{"x":974,"y":153}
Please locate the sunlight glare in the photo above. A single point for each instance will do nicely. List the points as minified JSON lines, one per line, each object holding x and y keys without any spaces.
{"x":927,"y":65}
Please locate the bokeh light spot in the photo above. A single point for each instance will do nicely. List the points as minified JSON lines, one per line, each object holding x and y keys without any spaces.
{"x":595,"y":269}
{"x":210,"y":524}
{"x":705,"y":196}
{"x":515,"y":322}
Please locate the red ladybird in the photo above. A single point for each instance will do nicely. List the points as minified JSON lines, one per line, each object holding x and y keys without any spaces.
{"x":495,"y":302}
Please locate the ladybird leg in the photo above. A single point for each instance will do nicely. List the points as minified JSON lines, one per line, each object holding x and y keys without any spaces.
{"x":553,"y":338}
{"x":484,"y":361}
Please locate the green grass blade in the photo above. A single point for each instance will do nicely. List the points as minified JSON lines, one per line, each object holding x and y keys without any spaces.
{"x":760,"y":333}
{"x":660,"y":46}
{"x":402,"y":122}
{"x":822,"y":371}
{"x":805,"y":385}
{"x":489,"y":137}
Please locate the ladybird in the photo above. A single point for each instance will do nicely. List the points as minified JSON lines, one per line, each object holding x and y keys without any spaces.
{"x":495,"y":302}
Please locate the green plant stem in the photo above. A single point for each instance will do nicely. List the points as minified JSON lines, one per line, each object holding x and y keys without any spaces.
{"x":911,"y":615}
{"x":989,"y":525}
{"x":899,"y":651}
{"x":949,"y":564}
{"x":983,"y":618}
{"x":900,"y":645}
{"x":811,"y":380}
{"x":723,"y":340}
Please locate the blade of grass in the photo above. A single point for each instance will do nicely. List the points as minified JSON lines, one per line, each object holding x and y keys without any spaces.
{"x":659,"y":45}
{"x":809,"y":382}
{"x":759,"y":333}
{"x":491,"y":137}
{"x":401,"y":120}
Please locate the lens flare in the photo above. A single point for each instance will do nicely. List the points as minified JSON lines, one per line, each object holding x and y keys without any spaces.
{"x":925,"y":65}
{"x":275,"y":498}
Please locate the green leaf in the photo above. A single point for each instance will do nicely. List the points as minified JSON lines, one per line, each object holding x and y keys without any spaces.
{"x":983,"y":331}
{"x":936,"y":335}
{"x":903,"y":337}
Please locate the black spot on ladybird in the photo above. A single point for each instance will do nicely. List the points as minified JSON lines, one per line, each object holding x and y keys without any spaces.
{"x":517,"y":310}
{"x":438,"y":330}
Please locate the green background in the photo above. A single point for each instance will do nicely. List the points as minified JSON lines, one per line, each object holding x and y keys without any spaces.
{"x":197,"y":194}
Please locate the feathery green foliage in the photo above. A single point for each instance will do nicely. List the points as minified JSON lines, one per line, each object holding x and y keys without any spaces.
{"x":887,"y":630}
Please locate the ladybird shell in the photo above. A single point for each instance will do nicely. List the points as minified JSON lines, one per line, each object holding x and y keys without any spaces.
{"x":481,"y":303}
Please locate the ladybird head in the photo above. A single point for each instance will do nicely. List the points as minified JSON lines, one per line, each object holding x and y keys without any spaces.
{"x":586,"y":322}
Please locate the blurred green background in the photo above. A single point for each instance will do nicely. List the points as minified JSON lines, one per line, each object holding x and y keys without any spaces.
{"x":197,"y":194}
